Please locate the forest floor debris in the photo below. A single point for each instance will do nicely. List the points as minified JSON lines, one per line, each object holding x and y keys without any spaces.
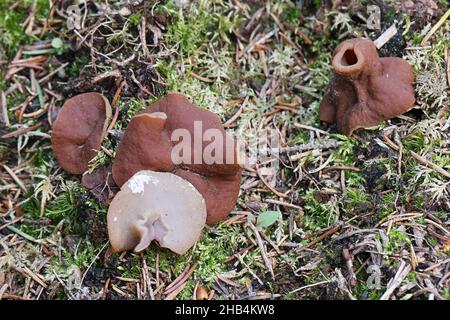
{"x":361,"y":217}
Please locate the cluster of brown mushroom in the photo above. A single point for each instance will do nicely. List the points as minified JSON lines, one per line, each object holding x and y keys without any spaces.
{"x":159,"y":199}
{"x":170,"y":201}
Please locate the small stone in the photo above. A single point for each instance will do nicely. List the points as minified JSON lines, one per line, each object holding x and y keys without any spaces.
{"x":124,"y":12}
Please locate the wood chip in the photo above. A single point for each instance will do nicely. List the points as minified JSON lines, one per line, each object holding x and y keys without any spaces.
{"x":4,"y":109}
{"x":385,"y":37}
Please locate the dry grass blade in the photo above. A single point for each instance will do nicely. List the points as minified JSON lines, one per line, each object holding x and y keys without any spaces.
{"x":393,"y":284}
{"x":262,"y":249}
{"x":430,"y":33}
{"x":15,"y":178}
{"x":21,"y":131}
{"x":324,"y":235}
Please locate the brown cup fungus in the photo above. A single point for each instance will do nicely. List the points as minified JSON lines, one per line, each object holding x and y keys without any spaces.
{"x":156,"y":206}
{"x":365,"y":89}
{"x":153,"y":138}
{"x":79,"y":129}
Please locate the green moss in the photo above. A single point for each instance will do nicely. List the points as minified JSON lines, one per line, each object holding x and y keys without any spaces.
{"x":293,"y":15}
{"x":187,"y":32}
{"x":60,"y":207}
{"x":397,"y":239}
{"x":80,"y":259}
{"x":43,"y":159}
{"x":135,"y":18}
{"x":63,"y":207}
{"x":345,"y":153}
{"x":442,"y":160}
{"x":188,"y":291}
{"x":210,"y":253}
{"x":318,"y":213}
{"x":132,"y":267}
{"x":388,"y":201}
{"x":129,"y":109}
{"x":76,"y":66}
{"x":213,"y":250}
{"x":371,"y":294}
{"x":355,"y":179}
{"x":3,"y":151}
{"x":288,"y":296}
{"x":446,"y":293}
{"x":353,"y":197}
{"x":302,"y":137}
{"x":12,"y":33}
{"x":205,"y":22}
{"x":320,"y":69}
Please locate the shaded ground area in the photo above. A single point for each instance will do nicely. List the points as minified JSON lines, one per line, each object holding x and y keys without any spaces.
{"x":360,"y":217}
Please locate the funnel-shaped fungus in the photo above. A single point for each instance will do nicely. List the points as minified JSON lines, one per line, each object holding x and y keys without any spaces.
{"x":366,"y":90}
{"x":154,"y":139}
{"x":156,"y":206}
{"x":79,"y":130}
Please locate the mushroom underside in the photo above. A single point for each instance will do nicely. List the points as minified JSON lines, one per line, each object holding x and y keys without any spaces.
{"x":157,"y":206}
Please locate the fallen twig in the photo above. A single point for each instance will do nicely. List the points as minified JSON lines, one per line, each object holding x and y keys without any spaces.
{"x":180,"y":280}
{"x":349,"y":263}
{"x":20,"y":131}
{"x":430,"y":165}
{"x":278,"y":193}
{"x":241,"y":252}
{"x":401,"y":274}
{"x":309,"y":286}
{"x":327,"y":233}
{"x":342,"y":168}
{"x":262,"y":249}
{"x":310,"y":146}
{"x":435,"y":28}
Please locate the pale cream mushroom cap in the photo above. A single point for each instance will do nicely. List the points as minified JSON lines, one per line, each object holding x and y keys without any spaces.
{"x":156,"y":206}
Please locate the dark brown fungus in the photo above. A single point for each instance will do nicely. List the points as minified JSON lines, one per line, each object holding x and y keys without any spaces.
{"x":365,"y":89}
{"x":79,"y":130}
{"x":153,"y":138}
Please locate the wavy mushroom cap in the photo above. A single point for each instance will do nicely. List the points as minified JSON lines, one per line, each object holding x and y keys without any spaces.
{"x":79,"y":130}
{"x":148,"y":145}
{"x":156,"y":206}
